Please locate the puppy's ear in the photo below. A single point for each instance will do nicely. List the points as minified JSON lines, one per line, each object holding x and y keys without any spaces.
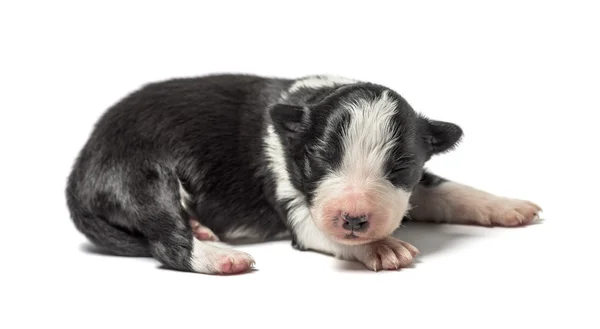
{"x":290,"y":121}
{"x":441,"y":136}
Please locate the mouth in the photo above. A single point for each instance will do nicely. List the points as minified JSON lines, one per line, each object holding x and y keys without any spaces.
{"x":351,"y":239}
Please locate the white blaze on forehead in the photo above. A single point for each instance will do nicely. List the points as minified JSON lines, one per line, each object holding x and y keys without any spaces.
{"x":368,"y":138}
{"x":315,"y":82}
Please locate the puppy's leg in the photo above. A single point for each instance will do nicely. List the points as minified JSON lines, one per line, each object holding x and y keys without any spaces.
{"x":387,"y":254}
{"x":180,"y":250}
{"x":440,"y":200}
{"x":174,"y":245}
{"x":156,"y":209}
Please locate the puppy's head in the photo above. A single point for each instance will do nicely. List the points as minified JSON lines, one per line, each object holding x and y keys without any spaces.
{"x":356,"y":155}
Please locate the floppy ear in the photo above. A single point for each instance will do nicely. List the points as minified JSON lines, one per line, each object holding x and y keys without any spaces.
{"x":290,"y":121}
{"x":441,"y":136}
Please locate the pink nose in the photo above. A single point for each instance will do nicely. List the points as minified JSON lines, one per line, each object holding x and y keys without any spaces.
{"x":355,"y":223}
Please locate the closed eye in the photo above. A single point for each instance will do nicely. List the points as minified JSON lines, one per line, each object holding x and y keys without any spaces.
{"x":399,"y":171}
{"x":402,"y":173}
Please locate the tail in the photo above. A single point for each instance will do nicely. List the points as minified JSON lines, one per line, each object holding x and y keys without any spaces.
{"x":110,"y":238}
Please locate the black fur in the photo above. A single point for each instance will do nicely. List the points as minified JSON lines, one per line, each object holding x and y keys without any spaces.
{"x":431,"y":180}
{"x":207,"y":133}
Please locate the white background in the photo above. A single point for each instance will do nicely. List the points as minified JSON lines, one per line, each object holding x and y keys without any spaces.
{"x":522,"y":78}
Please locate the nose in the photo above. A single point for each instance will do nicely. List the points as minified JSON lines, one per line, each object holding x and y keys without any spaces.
{"x":355,"y":223}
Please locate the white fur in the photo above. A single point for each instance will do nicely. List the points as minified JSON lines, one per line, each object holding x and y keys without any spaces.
{"x":275,"y":154}
{"x":208,"y":256}
{"x":458,"y":203}
{"x":319,"y":81}
{"x":204,"y":255}
{"x":311,"y":237}
{"x":368,"y":139}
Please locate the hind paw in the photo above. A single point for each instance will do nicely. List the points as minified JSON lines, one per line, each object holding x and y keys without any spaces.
{"x":201,"y":232}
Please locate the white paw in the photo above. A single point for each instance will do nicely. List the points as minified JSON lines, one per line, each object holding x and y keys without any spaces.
{"x":388,"y":254}
{"x":508,"y":212}
{"x":234,"y":262}
{"x":214,"y":258}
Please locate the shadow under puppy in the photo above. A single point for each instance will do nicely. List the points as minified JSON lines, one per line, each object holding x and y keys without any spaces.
{"x":177,"y":168}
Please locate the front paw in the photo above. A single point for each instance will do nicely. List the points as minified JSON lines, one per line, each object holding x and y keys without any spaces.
{"x":509,"y":212}
{"x":387,"y":254}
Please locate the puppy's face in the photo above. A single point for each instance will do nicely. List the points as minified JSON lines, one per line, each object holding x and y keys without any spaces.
{"x":356,"y":155}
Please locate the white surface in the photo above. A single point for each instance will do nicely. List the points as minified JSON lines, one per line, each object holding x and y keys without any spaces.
{"x":521,"y":78}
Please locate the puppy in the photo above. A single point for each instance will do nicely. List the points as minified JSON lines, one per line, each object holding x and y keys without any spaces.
{"x":180,"y":167}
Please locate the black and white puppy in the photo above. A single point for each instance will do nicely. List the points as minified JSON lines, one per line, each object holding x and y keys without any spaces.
{"x":178,"y":168}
